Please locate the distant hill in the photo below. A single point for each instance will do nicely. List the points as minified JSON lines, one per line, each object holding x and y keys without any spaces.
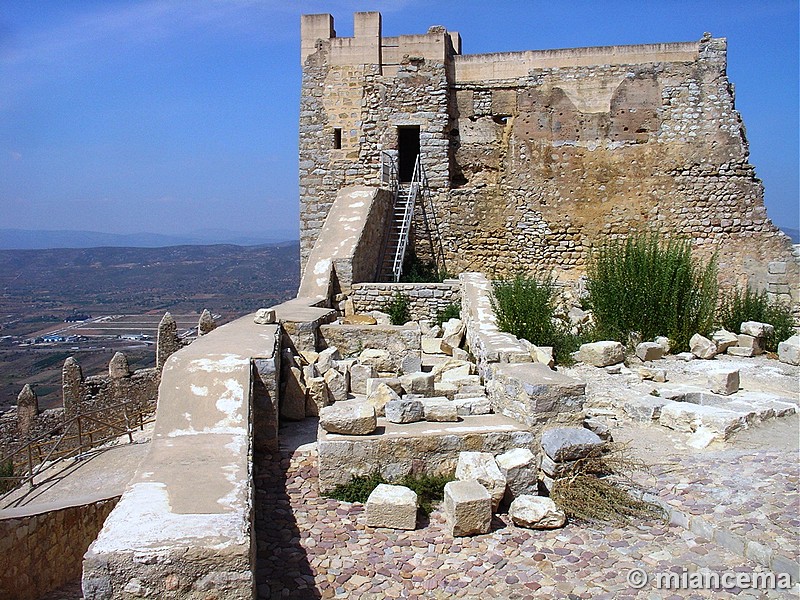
{"x":28,"y":239}
{"x":792,"y":233}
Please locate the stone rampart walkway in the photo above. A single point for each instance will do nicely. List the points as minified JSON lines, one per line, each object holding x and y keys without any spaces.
{"x":313,"y":547}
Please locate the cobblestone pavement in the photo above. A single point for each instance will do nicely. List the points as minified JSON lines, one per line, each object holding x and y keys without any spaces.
{"x":312,"y":547}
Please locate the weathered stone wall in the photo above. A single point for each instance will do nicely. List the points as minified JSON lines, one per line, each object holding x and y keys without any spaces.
{"x":425,"y":299}
{"x":42,"y":552}
{"x":536,"y":157}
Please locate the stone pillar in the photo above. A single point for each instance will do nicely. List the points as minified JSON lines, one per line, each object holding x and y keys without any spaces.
{"x":206,"y":323}
{"x":168,"y":341}
{"x":27,"y":409}
{"x":118,"y":367}
{"x":72,"y":386}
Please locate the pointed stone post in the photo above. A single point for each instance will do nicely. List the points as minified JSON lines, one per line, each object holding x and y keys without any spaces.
{"x":27,"y":409}
{"x":168,"y":341}
{"x":206,"y":323}
{"x":118,"y":367}
{"x":72,"y":386}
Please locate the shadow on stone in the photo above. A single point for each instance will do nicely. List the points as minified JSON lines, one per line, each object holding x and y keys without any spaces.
{"x":282,"y":566}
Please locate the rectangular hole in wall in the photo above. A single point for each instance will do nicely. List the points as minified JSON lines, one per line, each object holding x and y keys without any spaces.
{"x":337,"y":138}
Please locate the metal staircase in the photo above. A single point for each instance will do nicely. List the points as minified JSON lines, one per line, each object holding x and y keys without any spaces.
{"x":407,"y":195}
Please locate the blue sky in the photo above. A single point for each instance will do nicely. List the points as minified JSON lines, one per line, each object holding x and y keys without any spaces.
{"x":172,"y":116}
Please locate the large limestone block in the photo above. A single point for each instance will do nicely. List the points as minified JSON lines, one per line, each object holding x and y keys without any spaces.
{"x":393,"y":506}
{"x":688,"y":417}
{"x":264,"y":316}
{"x":649,"y":351}
{"x":418,"y":383}
{"x":702,"y":347}
{"x":392,"y":382}
{"x":789,"y":351}
{"x":664,"y":342}
{"x":453,"y":333}
{"x":411,"y":363}
{"x":739,"y":351}
{"x":446,"y":388}
{"x":756,"y":329}
{"x":462,"y":367}
{"x":431,"y":345}
{"x":521,"y":470}
{"x":602,"y":354}
{"x":756,"y":344}
{"x":380,"y":397}
{"x":403,"y":410}
{"x":467,"y":508}
{"x":569,"y":443}
{"x":326,"y":358}
{"x":724,"y":381}
{"x":359,"y":374}
{"x":724,"y":339}
{"x":482,"y":467}
{"x":337,"y":384}
{"x":440,"y":410}
{"x":349,"y":417}
{"x":644,"y":409}
{"x":472,"y":405}
{"x":319,"y":396}
{"x":536,"y":512}
{"x":380,"y":359}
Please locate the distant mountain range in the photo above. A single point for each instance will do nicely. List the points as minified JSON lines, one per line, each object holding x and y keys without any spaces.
{"x":792,"y":233}
{"x":27,"y":239}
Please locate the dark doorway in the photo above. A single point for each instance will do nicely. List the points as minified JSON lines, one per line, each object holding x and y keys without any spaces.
{"x":407,"y":151}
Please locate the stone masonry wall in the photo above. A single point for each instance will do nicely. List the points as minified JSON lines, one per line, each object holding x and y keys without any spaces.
{"x":536,"y":157}
{"x":44,"y":551}
{"x":425,"y":299}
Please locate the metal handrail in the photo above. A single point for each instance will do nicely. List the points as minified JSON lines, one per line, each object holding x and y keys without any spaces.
{"x":408,"y":214}
{"x":53,"y":440}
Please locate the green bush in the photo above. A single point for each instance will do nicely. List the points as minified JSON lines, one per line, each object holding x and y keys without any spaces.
{"x":525,"y":307}
{"x":7,"y":471}
{"x":451,"y":311}
{"x":740,"y":305}
{"x":358,"y":490}
{"x":653,"y":287}
{"x":397,"y":309}
{"x":429,"y":489}
{"x":416,"y":270}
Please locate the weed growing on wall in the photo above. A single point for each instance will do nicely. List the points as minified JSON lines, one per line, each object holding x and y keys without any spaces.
{"x":740,"y":305}
{"x":451,"y":311}
{"x":398,"y":309}
{"x":647,"y":285}
{"x":525,"y":307}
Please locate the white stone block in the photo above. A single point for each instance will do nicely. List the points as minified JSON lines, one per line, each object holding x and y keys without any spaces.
{"x":649,"y":351}
{"x":440,"y":410}
{"x":264,"y":316}
{"x":349,"y":417}
{"x":418,"y":383}
{"x":702,"y":347}
{"x":404,"y":410}
{"x":380,"y":397}
{"x":602,"y":354}
{"x":536,"y":512}
{"x":521,"y":470}
{"x":467,"y":508}
{"x":359,"y":374}
{"x":724,"y":339}
{"x":724,"y":381}
{"x":789,"y":351}
{"x":482,"y":467}
{"x":756,"y":329}
{"x":393,"y":506}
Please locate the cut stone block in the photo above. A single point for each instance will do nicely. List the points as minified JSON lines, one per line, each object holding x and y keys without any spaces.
{"x":348,"y":417}
{"x":431,"y":345}
{"x":467,"y":508}
{"x":482,"y":467}
{"x":358,"y":377}
{"x":293,"y":400}
{"x":520,"y":467}
{"x":326,"y":358}
{"x":462,"y":367}
{"x":750,"y":341}
{"x":440,"y":410}
{"x":664,"y":342}
{"x":742,"y":352}
{"x":357,"y":319}
{"x":460,"y":354}
{"x":404,"y":410}
{"x":756,"y":329}
{"x":543,"y":354}
{"x":380,"y":397}
{"x":446,"y":389}
{"x":569,"y":443}
{"x":702,"y":347}
{"x":337,"y":384}
{"x":411,"y":363}
{"x":476,"y":405}
{"x":453,"y":333}
{"x":536,"y":512}
{"x":648,"y":374}
{"x":724,"y":381}
{"x":602,"y":354}
{"x":724,"y":339}
{"x":644,"y":409}
{"x":393,"y":506}
{"x":687,"y":417}
{"x":599,"y":427}
{"x":649,"y":351}
{"x":380,"y":359}
{"x":789,"y":351}
{"x":264,"y":316}
{"x":392,"y":382}
{"x":418,"y":383}
{"x":456,"y":373}
{"x":319,"y":396}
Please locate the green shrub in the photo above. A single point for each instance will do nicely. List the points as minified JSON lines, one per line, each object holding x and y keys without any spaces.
{"x":416,"y":270}
{"x":358,"y":490}
{"x":7,"y":470}
{"x":397,"y":309}
{"x":652,"y":287}
{"x":525,"y":307}
{"x":451,"y":311}
{"x":740,"y":305}
{"x":429,"y":489}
